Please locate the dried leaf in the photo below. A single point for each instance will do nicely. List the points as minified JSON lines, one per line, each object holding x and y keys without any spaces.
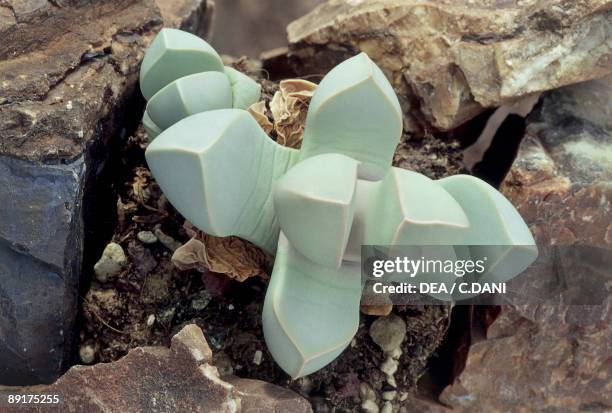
{"x":140,"y":186}
{"x":258,"y":110}
{"x":289,"y":107}
{"x":237,"y":258}
{"x":191,"y":256}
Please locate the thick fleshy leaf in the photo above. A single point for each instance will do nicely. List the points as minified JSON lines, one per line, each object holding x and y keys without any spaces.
{"x":218,"y":169}
{"x":174,"y":54}
{"x":150,"y":127}
{"x":314,"y":202}
{"x":355,"y":112}
{"x":311,"y":312}
{"x":189,"y":95}
{"x":245,"y":90}
{"x":405,"y":208}
{"x":497,"y":230}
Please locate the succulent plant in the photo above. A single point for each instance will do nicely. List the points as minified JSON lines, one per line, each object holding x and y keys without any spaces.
{"x":316,"y":206}
{"x":182,"y":75}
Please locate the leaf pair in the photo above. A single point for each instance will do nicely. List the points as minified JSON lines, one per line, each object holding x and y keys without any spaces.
{"x":182,"y":75}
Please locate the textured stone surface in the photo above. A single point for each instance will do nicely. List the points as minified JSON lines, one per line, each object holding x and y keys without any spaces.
{"x":257,"y":396}
{"x":68,"y":71}
{"x":553,"y":357}
{"x":450,"y":59}
{"x":561,"y":180}
{"x":194,"y":16}
{"x":160,"y":380}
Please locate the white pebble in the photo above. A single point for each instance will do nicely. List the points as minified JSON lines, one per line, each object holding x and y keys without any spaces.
{"x":389,"y":395}
{"x":146,"y":237}
{"x":369,"y":407}
{"x":87,"y":353}
{"x":396,"y":353}
{"x":387,"y":408}
{"x":257,"y":357}
{"x":389,"y":366}
{"x":111,"y":263}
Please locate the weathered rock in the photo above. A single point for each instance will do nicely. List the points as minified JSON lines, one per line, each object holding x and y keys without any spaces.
{"x":539,"y":358}
{"x":194,"y":16}
{"x":543,"y":357}
{"x":449,"y":59}
{"x":159,"y":379}
{"x":257,"y":397}
{"x":561,"y":180}
{"x":68,"y":74}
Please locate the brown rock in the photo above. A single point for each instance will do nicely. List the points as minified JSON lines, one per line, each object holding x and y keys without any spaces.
{"x":158,"y":379}
{"x":68,"y":77}
{"x":257,"y":396}
{"x":194,"y":16}
{"x":538,"y":358}
{"x":561,"y":179}
{"x":551,"y":357}
{"x":450,"y":59}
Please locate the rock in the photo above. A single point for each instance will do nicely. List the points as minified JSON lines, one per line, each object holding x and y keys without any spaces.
{"x":194,"y":16}
{"x":369,"y":406}
{"x":387,"y":408}
{"x":419,"y":404}
{"x":541,"y":358}
{"x":561,"y":179}
{"x":257,"y":357}
{"x":87,"y":354}
{"x":389,"y":366}
{"x":159,"y":379}
{"x":111,"y":263}
{"x":545,"y":357}
{"x":388,"y":332}
{"x":389,"y":395}
{"x":66,"y":95}
{"x":257,"y":397}
{"x":448,"y":60}
{"x":146,"y":237}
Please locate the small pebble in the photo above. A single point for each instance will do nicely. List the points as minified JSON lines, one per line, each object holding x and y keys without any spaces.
{"x":230,"y":307}
{"x":387,"y":408}
{"x":111,"y":263}
{"x":389,"y":366}
{"x":366,"y":392}
{"x":388,"y":332}
{"x":403,"y":396}
{"x":151,"y":320}
{"x":87,"y":353}
{"x":369,"y":406}
{"x":396,"y":353}
{"x":389,"y":395}
{"x":257,"y":357}
{"x":146,"y":237}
